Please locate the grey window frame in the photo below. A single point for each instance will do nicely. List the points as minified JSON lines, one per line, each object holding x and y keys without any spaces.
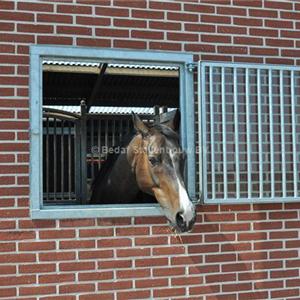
{"x":38,"y":53}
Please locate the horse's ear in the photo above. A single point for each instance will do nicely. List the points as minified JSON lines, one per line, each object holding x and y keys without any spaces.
{"x":174,"y":121}
{"x":139,"y":125}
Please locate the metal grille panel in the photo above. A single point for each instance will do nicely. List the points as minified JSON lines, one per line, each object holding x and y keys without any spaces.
{"x":250,"y":132}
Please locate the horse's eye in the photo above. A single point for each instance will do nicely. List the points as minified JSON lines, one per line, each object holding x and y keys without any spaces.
{"x":154,"y":160}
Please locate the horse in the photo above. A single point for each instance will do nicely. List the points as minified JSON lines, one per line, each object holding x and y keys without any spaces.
{"x":152,"y":163}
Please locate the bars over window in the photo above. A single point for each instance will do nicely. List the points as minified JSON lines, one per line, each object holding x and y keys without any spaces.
{"x":250,"y":132}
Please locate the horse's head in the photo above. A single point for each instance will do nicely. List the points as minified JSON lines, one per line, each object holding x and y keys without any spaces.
{"x":158,"y":162}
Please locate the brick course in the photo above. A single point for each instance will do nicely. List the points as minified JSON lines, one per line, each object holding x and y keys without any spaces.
{"x":235,"y":251}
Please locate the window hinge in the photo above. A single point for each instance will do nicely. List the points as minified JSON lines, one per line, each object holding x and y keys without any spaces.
{"x":191,"y":66}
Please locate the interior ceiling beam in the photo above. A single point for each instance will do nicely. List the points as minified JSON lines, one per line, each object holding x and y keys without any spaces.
{"x":96,"y":87}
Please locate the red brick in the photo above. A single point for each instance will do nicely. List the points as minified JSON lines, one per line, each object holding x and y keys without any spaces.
{"x":7,"y":224}
{"x":169,"y":250}
{"x":106,"y":296}
{"x":205,"y":290}
{"x":235,"y":287}
{"x":176,"y":36}
{"x":168,"y":292}
{"x":100,"y":232}
{"x":216,"y":238}
{"x":112,"y":12}
{"x":280,"y":43}
{"x":204,"y":248}
{"x":33,"y":7}
{"x":133,"y":295}
{"x":231,"y":30}
{"x":283,"y":254}
{"x":14,"y":213}
{"x":112,"y":243}
{"x":17,"y":38}
{"x":96,"y":276}
{"x":93,"y":42}
{"x":16,"y":16}
{"x":112,"y":32}
{"x":56,"y":278}
{"x":284,"y":273}
{"x":133,"y":252}
{"x":263,"y":13}
{"x":220,"y":278}
{"x":290,"y":15}
{"x":130,"y":23}
{"x":37,"y":290}
{"x":215,"y":39}
{"x":165,"y":46}
{"x":252,"y":236}
{"x":267,"y":225}
{"x":278,"y":4}
{"x":116,"y":285}
{"x":142,"y":241}
{"x":168,"y":271}
{"x":247,"y":40}
{"x":262,"y":285}
{"x":176,"y":16}
{"x":220,"y":217}
{"x":150,"y":283}
{"x":76,"y":288}
{"x":251,"y":216}
{"x":215,"y":19}
{"x":278,"y":24}
{"x":116,"y":264}
{"x":77,"y":244}
{"x":35,"y":28}
{"x":37,"y":268}
{"x":231,"y":11}
{"x":286,"y":293}
{"x":253,"y":295}
{"x":6,"y":180}
{"x":76,"y":266}
{"x":210,"y":258}
{"x":74,"y":9}
{"x":57,"y":234}
{"x":56,"y":256}
{"x":186,"y":280}
{"x":8,"y":269}
{"x":130,"y":3}
{"x":97,"y":254}
{"x":291,"y":53}
{"x":133,"y":273}
{"x":264,"y":51}
{"x":165,"y":25}
{"x":6,"y":27}
{"x":8,"y":292}
{"x":236,"y":267}
{"x":165,"y":5}
{"x":36,"y":224}
{"x":8,"y":247}
{"x":147,"y":14}
{"x":291,"y":282}
{"x":17,"y":235}
{"x":187,"y":260}
{"x":78,"y":30}
{"x":54,"y":18}
{"x":10,"y":5}
{"x":17,"y":280}
{"x":143,"y":34}
{"x":36,"y":246}
{"x":149,"y":262}
{"x":253,"y":3}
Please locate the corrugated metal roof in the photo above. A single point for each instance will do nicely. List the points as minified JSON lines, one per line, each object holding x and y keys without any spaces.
{"x":93,"y":64}
{"x":107,"y":110}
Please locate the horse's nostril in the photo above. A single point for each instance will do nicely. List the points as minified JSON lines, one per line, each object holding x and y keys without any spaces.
{"x":180,"y":220}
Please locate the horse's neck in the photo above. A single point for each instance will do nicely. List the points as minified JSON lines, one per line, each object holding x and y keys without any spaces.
{"x":122,"y":179}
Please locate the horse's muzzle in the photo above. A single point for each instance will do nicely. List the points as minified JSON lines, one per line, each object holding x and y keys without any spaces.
{"x":184,"y":225}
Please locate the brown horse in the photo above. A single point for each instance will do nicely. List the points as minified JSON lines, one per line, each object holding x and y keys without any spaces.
{"x":152,"y":163}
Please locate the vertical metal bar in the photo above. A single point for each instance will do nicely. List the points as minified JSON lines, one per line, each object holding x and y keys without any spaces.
{"x":248,"y":130}
{"x":236,"y":132}
{"x":271,"y":134}
{"x":106,"y":136}
{"x":83,"y":151}
{"x":113,"y":132}
{"x":47,"y":159}
{"x":92,"y":148}
{"x":54,"y":159}
{"x":99,"y":143}
{"x":62,"y":154}
{"x":295,"y":171}
{"x":69,"y":160}
{"x":77,"y":161}
{"x":260,"y":147}
{"x":212,"y":140}
{"x":281,"y":88}
{"x":224,"y":140}
{"x":202,"y":131}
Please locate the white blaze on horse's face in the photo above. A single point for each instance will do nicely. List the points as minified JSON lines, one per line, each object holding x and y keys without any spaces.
{"x":159,"y":171}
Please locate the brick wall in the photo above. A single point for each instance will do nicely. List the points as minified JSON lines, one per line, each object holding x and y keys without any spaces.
{"x":235,"y":252}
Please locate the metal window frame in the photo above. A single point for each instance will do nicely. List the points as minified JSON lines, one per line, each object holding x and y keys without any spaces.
{"x":44,"y":52}
{"x":202,"y":134}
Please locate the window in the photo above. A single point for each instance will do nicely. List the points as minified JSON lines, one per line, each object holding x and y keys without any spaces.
{"x":70,"y":125}
{"x":250,"y":132}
